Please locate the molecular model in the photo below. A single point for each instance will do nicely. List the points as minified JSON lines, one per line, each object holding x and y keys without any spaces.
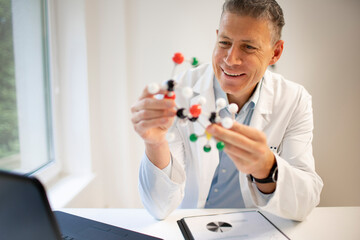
{"x":195,"y":111}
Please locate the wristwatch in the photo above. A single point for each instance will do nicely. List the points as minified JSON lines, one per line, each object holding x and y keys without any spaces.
{"x":271,"y":178}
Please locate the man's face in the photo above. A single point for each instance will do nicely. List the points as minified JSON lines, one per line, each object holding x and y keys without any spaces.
{"x":242,"y":53}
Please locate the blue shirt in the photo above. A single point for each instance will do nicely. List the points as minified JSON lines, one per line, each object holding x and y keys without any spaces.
{"x":225,"y":187}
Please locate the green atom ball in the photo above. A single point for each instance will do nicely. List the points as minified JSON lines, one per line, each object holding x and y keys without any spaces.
{"x":195,"y":62}
{"x":207,"y":148}
{"x":220,"y":145}
{"x":193,"y":137}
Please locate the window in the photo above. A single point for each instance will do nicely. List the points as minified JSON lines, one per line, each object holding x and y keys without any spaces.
{"x":25,"y":106}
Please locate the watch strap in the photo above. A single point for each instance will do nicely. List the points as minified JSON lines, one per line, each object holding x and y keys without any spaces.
{"x":271,"y":178}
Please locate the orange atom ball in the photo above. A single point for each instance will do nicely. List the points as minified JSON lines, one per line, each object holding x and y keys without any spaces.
{"x":195,"y":110}
{"x":178,"y":58}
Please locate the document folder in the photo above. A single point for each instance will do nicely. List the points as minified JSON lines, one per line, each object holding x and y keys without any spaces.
{"x":235,"y":225}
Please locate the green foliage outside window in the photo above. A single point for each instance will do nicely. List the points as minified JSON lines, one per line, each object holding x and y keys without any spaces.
{"x":9,"y":134}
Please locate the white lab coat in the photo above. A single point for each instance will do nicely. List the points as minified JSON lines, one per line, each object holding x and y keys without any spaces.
{"x":283,"y":113}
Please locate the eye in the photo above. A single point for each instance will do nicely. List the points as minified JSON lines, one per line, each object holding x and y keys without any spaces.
{"x":224,"y":43}
{"x":249,"y":47}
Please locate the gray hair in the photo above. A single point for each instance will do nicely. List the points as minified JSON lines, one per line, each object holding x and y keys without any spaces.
{"x":259,"y":9}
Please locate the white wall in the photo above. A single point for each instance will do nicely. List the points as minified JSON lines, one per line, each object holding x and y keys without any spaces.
{"x":107,"y":69}
{"x":130,"y":44}
{"x":71,"y":112}
{"x":322,"y":53}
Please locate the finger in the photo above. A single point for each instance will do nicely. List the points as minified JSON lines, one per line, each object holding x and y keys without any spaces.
{"x":241,"y":164}
{"x":231,"y":137}
{"x":236,"y":153}
{"x":240,"y":157}
{"x":248,"y":162}
{"x":234,"y":150}
{"x":145,"y":93}
{"x":249,"y":132}
{"x":153,"y":104}
{"x":145,"y":125}
{"x":151,"y":114}
{"x":245,"y":161}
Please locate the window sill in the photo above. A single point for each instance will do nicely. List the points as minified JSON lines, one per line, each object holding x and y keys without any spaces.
{"x":67,"y":188}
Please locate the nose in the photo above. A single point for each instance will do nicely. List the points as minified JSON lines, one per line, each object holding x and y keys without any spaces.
{"x":233,"y":56}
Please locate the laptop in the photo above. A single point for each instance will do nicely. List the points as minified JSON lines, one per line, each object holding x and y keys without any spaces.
{"x":25,"y":213}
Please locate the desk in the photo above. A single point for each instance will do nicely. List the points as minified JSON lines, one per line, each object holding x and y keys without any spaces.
{"x":322,"y":223}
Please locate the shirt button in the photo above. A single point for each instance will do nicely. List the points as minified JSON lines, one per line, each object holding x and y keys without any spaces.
{"x":216,"y":190}
{"x":223,"y":170}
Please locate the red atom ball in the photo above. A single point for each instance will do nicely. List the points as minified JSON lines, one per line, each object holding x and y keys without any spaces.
{"x":195,"y":110}
{"x":178,"y":58}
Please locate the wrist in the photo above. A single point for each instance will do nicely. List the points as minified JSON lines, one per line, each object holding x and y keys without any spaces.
{"x":158,"y":154}
{"x":155,"y":145}
{"x":270,"y":178}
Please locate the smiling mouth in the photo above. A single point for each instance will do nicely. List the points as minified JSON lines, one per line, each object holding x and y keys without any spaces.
{"x":232,"y":74}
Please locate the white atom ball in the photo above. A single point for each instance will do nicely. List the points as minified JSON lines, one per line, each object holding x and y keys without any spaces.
{"x":233,"y":108}
{"x":220,"y":103}
{"x":187,"y":92}
{"x":202,"y":100}
{"x":153,"y":88}
{"x":227,"y":122}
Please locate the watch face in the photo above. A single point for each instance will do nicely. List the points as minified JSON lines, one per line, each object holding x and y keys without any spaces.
{"x":275,"y":175}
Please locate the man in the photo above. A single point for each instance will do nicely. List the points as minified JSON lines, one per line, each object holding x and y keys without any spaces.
{"x":267,"y":161}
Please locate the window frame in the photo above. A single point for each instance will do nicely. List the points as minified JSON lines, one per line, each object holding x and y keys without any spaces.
{"x":32,"y":96}
{"x":50,"y":172}
{"x":51,"y":165}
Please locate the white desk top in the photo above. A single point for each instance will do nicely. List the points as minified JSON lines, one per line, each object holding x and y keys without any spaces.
{"x":322,"y":223}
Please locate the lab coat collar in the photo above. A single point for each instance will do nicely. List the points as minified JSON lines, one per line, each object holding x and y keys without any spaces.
{"x":203,"y":84}
{"x":265,"y":104}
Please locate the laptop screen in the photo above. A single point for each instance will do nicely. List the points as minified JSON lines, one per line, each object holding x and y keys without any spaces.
{"x":23,"y":211}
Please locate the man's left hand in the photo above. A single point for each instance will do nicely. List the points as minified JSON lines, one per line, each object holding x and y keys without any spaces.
{"x":247,"y":147}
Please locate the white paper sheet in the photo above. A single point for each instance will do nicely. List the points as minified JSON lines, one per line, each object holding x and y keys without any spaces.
{"x":238,"y":225}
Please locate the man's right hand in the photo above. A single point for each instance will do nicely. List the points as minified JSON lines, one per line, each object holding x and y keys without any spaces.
{"x":151,"y":119}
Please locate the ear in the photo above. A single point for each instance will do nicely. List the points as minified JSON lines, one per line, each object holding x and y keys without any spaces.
{"x":277,"y":51}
